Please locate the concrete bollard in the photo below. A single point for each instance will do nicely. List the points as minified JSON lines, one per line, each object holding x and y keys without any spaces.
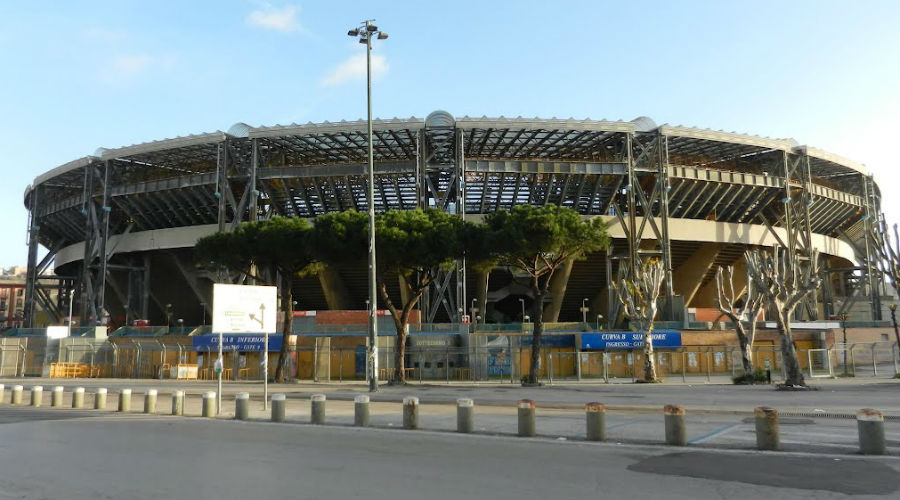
{"x":150,"y":401}
{"x":125,"y":400}
{"x":209,"y":404}
{"x":56,"y":396}
{"x":361,"y":411}
{"x":178,"y":403}
{"x":100,"y":399}
{"x":2,"y":393}
{"x":595,"y":417}
{"x":465,"y":415}
{"x":870,"y":425}
{"x":527,"y":424}
{"x":767,"y":428}
{"x":37,"y":395}
{"x":279,"y":401}
{"x":317,"y":409}
{"x":241,"y":406}
{"x":16,"y":397}
{"x":675,"y":431}
{"x":78,"y":398}
{"x":410,"y":412}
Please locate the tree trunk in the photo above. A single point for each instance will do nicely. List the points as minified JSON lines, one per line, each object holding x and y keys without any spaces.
{"x":537,"y":309}
{"x":788,"y":352}
{"x":399,"y":375}
{"x":287,"y":328}
{"x":649,"y":362}
{"x":744,"y":342}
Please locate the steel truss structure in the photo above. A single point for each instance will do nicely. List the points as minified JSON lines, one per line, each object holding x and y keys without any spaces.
{"x":643,"y":177}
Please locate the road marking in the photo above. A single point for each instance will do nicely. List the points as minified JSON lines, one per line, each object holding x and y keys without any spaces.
{"x":717,"y":432}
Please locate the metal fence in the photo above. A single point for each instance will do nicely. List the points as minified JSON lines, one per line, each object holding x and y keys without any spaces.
{"x":500,"y":360}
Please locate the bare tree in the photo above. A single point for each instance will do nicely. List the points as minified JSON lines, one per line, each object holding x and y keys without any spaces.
{"x":887,"y":260}
{"x":784,"y":285}
{"x":751,"y":304}
{"x":638,"y":292}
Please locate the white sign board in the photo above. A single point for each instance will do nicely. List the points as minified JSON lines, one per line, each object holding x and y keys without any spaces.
{"x":57,"y":332}
{"x":244,"y":309}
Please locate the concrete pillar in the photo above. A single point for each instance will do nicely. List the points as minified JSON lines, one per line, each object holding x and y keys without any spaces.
{"x":707,"y":296}
{"x":178,"y":403}
{"x":361,"y":411}
{"x":322,"y":361}
{"x":527,"y":421}
{"x":2,"y":393}
{"x":242,"y":406}
{"x":150,"y":401}
{"x":209,"y":404}
{"x":870,"y":425}
{"x":125,"y":400}
{"x":687,"y":278}
{"x":100,"y":399}
{"x":676,"y":434}
{"x":766,"y":428}
{"x":410,"y":412}
{"x":278,"y":406}
{"x":317,"y":409}
{"x":558,"y":285}
{"x":16,"y":397}
{"x":336,"y":295}
{"x":465,"y":415}
{"x":37,"y":395}
{"x":78,"y":398}
{"x":56,"y":396}
{"x":595,"y":416}
{"x":481,"y":292}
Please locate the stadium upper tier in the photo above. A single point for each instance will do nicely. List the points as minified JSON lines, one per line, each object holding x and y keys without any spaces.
{"x":475,"y":165}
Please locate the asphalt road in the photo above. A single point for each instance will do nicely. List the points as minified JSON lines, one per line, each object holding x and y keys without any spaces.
{"x":55,"y":453}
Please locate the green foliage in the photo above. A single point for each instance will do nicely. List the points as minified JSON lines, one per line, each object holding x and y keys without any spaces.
{"x":418,"y":241}
{"x":279,"y":243}
{"x":341,"y":238}
{"x":536,"y":239}
{"x":222,"y":250}
{"x":757,"y":377}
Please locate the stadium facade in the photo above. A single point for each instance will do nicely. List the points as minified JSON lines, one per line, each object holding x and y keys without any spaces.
{"x":120,"y":224}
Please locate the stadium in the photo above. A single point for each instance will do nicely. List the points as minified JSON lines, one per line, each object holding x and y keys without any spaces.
{"x":120,"y":224}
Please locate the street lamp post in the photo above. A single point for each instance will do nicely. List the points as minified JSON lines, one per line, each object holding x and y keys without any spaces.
{"x":474,"y":310}
{"x":844,"y":328}
{"x":584,"y":310}
{"x":365,"y":32}
{"x":599,"y":318}
{"x":522,"y":301}
{"x":71,"y":297}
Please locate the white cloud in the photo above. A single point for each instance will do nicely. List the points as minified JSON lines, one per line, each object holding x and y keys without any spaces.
{"x":282,"y":19}
{"x":354,"y":68}
{"x":124,"y":68}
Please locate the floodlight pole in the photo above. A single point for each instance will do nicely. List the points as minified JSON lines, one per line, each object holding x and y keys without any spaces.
{"x":365,"y":32}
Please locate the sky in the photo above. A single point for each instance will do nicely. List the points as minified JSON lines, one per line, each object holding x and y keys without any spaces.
{"x":79,"y":75}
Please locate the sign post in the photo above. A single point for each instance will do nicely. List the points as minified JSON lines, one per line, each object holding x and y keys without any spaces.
{"x":243,"y":309}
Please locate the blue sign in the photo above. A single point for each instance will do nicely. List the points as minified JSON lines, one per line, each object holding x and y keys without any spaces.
{"x":629,"y":340}
{"x":241,"y":342}
{"x":498,"y":365}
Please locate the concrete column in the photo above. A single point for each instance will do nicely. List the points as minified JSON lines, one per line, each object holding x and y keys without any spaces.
{"x":465,"y":415}
{"x":410,"y":412}
{"x":361,"y":411}
{"x":2,"y":393}
{"x":125,"y":400}
{"x":558,"y":285}
{"x":336,"y":295}
{"x":870,"y":425}
{"x":100,"y":399}
{"x":317,"y":409}
{"x":78,"y":398}
{"x":178,"y":403}
{"x":37,"y":395}
{"x":56,"y":396}
{"x":527,"y":421}
{"x":595,"y":416}
{"x":687,"y":278}
{"x":16,"y":397}
{"x":209,"y":404}
{"x":676,"y":434}
{"x":242,"y":406}
{"x":278,"y":405}
{"x":150,"y":401}
{"x":766,"y":428}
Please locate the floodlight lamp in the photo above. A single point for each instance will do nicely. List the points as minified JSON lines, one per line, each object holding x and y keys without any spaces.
{"x":353,"y":32}
{"x":363,"y":40}
{"x":371,"y":27}
{"x":382,"y":35}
